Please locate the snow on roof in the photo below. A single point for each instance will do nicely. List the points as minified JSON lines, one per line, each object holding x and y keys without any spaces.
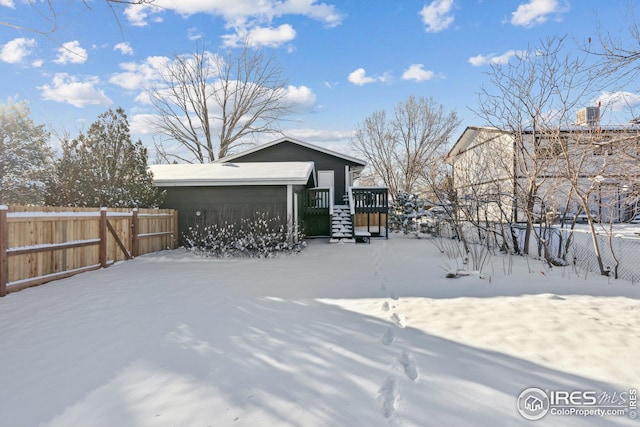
{"x":219,"y":174}
{"x":294,"y":141}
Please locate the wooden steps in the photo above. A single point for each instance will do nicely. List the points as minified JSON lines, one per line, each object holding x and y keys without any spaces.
{"x":341,"y":225}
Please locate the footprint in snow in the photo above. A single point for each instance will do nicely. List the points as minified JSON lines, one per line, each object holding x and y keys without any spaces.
{"x":385,"y":306}
{"x":388,"y":397}
{"x":399,"y":320}
{"x":388,"y":337}
{"x":408,"y":365}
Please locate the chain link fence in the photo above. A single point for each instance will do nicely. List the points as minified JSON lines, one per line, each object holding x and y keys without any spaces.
{"x":619,"y":251}
{"x":620,"y":254}
{"x":619,"y":248}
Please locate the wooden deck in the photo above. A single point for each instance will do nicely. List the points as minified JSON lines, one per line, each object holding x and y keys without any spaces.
{"x":368,"y":207}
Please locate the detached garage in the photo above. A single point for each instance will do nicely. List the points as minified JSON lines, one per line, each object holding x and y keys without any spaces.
{"x":226,"y":192}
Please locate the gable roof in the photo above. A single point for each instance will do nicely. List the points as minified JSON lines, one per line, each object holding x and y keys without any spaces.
{"x":469,"y":136}
{"x":223,"y":174}
{"x":292,"y":141}
{"x":474,"y":136}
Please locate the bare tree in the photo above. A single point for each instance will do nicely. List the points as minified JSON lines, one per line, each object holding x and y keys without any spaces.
{"x":531,"y":98}
{"x":483,"y":194}
{"x":211,"y":104}
{"x":407,"y":147}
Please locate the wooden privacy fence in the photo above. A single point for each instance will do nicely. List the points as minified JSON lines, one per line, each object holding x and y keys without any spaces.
{"x":41,"y":244}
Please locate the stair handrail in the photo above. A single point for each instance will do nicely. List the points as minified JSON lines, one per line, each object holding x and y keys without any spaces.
{"x":352,"y":205}
{"x":352,"y":211}
{"x":330,"y":201}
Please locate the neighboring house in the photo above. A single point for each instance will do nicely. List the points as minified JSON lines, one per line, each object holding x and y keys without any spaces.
{"x":309,"y":187}
{"x":493,"y":171}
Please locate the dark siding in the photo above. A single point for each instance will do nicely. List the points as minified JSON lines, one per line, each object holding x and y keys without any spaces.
{"x":291,"y":152}
{"x":298,"y":189}
{"x":224,"y":204}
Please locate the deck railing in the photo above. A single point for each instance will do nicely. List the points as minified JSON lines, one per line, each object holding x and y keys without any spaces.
{"x":369,"y":199}
{"x":317,"y":201}
{"x":370,"y":202}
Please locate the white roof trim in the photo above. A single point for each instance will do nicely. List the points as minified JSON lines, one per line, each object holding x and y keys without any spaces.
{"x":294,"y":141}
{"x":232,"y":174}
{"x":467,"y":138}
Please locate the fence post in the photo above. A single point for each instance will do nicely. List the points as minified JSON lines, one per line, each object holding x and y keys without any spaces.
{"x":135,"y":229}
{"x":4,"y":243}
{"x":103,"y":237}
{"x":176,"y":232}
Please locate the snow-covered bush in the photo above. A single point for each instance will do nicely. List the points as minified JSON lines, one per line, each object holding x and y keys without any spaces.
{"x":260,"y":237}
{"x":406,"y":213}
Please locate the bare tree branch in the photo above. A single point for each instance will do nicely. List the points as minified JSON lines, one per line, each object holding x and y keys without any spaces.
{"x":234,"y":97}
{"x":409,"y":147}
{"x":52,"y":11}
{"x":621,"y":54}
{"x":533,"y":100}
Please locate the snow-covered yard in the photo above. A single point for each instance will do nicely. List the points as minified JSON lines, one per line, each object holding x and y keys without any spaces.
{"x":338,"y":335}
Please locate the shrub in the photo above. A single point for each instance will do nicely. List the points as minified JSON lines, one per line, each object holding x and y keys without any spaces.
{"x":258,"y":237}
{"x":406,"y":213}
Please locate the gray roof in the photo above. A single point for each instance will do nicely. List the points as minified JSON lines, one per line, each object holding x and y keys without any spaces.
{"x":293,"y":141}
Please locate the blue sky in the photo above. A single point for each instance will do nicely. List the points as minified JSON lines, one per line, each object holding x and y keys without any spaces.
{"x":344,"y":59}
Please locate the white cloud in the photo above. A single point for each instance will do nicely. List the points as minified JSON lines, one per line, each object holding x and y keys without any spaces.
{"x":321,"y":135}
{"x":262,"y":36}
{"x":238,"y":13}
{"x":359,"y":77}
{"x":536,"y":12}
{"x":137,"y":14}
{"x":71,"y":52}
{"x":271,"y":37}
{"x":326,"y":13}
{"x":417,"y":73}
{"x":143,"y":124}
{"x":481,"y":60}
{"x":66,"y":88}
{"x":437,"y":15}
{"x":7,"y":3}
{"x":15,"y":51}
{"x":194,"y":34}
{"x":301,"y":98}
{"x":618,"y":101}
{"x":139,"y":76}
{"x":124,"y":48}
